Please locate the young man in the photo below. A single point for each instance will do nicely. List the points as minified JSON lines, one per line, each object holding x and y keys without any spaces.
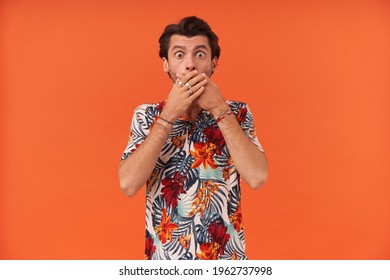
{"x":191,"y":151}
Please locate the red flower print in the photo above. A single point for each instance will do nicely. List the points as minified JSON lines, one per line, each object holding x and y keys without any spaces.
{"x":178,"y":141}
{"x":241,"y":115}
{"x":164,"y":230}
{"x":160,"y":106}
{"x":135,"y":148}
{"x":203,"y":154}
{"x":218,"y":234}
{"x":214,"y":135}
{"x":203,"y":197}
{"x":173,"y":187}
{"x":152,"y":180}
{"x":234,"y":256}
{"x":236,"y":219}
{"x":209,"y":251}
{"x":185,"y":241}
{"x":149,"y":248}
{"x":226,"y":173}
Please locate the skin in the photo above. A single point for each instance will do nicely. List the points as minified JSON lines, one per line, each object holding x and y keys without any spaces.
{"x":190,"y":60}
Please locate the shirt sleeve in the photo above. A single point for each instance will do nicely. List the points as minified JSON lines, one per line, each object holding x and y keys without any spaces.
{"x":139,"y":129}
{"x":245,"y":118}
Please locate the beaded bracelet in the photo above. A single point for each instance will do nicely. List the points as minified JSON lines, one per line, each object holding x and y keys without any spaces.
{"x":224,"y":115}
{"x":165,"y":120}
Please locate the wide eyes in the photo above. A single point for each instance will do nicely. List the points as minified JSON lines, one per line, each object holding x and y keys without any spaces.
{"x":179,"y":55}
{"x":199,"y":54}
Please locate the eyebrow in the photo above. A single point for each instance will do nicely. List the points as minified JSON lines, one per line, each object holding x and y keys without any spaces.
{"x":196,"y":47}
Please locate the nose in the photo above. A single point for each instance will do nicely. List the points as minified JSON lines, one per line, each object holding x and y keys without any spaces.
{"x":190,"y":65}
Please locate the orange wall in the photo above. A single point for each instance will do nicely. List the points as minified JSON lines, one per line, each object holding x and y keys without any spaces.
{"x":315,"y":73}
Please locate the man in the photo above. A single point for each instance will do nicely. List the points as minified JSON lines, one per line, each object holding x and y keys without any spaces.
{"x":191,"y":151}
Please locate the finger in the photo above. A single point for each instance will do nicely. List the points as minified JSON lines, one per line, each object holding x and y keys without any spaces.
{"x":188,"y":76}
{"x":198,"y":78}
{"x":194,"y":81}
{"x":191,"y":90}
{"x":197,"y":93}
{"x":179,"y":76}
{"x":179,"y":82}
{"x":198,"y":85}
{"x":197,"y":89}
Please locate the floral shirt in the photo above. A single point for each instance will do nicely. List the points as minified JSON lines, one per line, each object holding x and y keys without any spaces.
{"x":193,"y":196}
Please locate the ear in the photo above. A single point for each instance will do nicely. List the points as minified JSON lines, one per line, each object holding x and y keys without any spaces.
{"x":214,"y":63}
{"x":165,"y":65}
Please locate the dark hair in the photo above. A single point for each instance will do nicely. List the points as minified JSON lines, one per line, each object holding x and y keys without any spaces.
{"x":189,"y":27}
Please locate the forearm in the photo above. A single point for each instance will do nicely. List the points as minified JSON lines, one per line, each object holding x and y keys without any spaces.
{"x":135,"y":170}
{"x":250,"y":162}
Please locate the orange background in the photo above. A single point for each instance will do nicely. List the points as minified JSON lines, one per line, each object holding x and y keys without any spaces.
{"x":316,"y":75}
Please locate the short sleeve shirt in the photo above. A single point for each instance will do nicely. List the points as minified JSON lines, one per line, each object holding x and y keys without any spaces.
{"x":193,"y":196}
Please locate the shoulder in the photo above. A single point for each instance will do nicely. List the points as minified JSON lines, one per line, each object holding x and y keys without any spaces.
{"x":235,"y":103}
{"x":145,"y":114}
{"x":149,"y":109}
{"x":242,"y":112}
{"x":236,"y":106}
{"x":145,"y":107}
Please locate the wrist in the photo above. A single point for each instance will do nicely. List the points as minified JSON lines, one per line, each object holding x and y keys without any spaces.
{"x":218,"y":111}
{"x":164,"y":126}
{"x":166,"y":116}
{"x":226,"y":114}
{"x":165,"y":120}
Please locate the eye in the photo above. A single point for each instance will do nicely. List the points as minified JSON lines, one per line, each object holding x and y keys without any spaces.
{"x":179,"y":54}
{"x":200,"y":54}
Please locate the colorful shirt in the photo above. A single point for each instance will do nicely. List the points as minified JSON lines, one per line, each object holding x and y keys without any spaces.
{"x":193,"y":196}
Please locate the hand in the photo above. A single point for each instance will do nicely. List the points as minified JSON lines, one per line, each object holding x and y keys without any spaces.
{"x":187,"y":88}
{"x":212,"y":99}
